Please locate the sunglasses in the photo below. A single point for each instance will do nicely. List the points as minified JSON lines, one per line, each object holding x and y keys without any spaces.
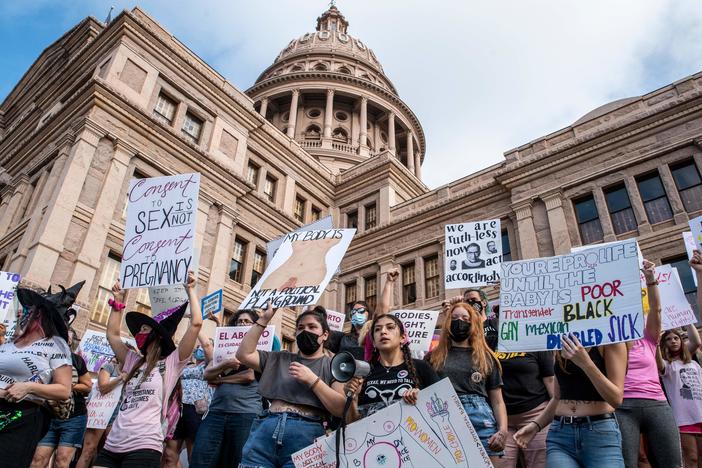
{"x":358,"y":310}
{"x":477,"y":305}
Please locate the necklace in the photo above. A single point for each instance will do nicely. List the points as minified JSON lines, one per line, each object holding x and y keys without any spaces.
{"x":387,"y":368}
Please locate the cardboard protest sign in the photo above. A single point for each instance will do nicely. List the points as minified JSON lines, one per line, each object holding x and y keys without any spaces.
{"x":473,"y":254}
{"x":319,"y":225}
{"x":159,"y":233}
{"x":96,"y":350}
{"x":211,"y":304}
{"x":675,"y":309}
{"x":436,"y":432}
{"x":689,"y":247}
{"x":595,"y":293}
{"x":696,"y":230}
{"x":100,"y":407}
{"x":639,"y":256}
{"x":228,"y":339}
{"x":419,"y":326}
{"x":335,"y":320}
{"x":300,"y":269}
{"x":8,"y":302}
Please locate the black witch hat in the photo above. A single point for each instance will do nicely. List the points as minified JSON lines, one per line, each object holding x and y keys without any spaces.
{"x":29,"y":298}
{"x":163,"y":324}
{"x":64,"y":300}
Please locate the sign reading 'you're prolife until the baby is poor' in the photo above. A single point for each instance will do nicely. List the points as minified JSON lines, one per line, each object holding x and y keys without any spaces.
{"x":473,"y":254}
{"x":159,"y":233}
{"x":594,"y":294}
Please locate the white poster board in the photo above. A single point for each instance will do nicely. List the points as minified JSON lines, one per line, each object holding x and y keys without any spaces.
{"x":159,"y":233}
{"x":228,"y":339}
{"x":100,"y":407}
{"x":335,"y":320}
{"x":436,"y":432}
{"x":96,"y":350}
{"x":595,"y":293}
{"x":9,"y":304}
{"x":419,"y":327}
{"x":696,"y":230}
{"x":689,"y":248}
{"x":300,"y":269}
{"x":675,"y":309}
{"x":473,"y":254}
{"x":319,"y":225}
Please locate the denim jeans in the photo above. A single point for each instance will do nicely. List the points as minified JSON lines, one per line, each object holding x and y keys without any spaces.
{"x":220,"y":439}
{"x":275,"y":437}
{"x":596,"y":444}
{"x":482,"y":418}
{"x":66,"y":432}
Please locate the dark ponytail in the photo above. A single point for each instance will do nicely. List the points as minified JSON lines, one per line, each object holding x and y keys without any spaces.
{"x":410,"y":364}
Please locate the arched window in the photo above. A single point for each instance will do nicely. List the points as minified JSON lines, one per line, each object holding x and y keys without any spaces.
{"x":320,"y":67}
{"x":296,"y":67}
{"x":313,"y":132}
{"x":340,"y":134}
{"x":344,"y":70}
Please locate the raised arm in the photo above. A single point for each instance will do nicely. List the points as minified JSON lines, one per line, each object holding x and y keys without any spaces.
{"x":247,"y":353}
{"x":653,"y":321}
{"x":693,"y":336}
{"x":114,"y":322}
{"x":206,"y":344}
{"x":187,"y":343}
{"x":388,"y":291}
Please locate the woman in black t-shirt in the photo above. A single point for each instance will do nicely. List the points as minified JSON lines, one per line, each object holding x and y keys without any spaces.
{"x":394,"y":374}
{"x":528,"y":387}
{"x":464,"y":357}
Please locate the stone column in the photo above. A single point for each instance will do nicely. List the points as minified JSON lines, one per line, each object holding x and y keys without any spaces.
{"x":363,"y":134}
{"x":264,"y":107}
{"x":391,"y":133}
{"x":603,"y":213}
{"x":44,"y":253}
{"x":289,"y":195}
{"x":90,"y":256}
{"x":637,"y":205}
{"x":527,"y":234}
{"x":18,"y":188}
{"x":676,"y":204}
{"x":224,"y":238}
{"x":557,"y":222}
{"x":386,"y":201}
{"x":292,"y":119}
{"x":410,"y":151}
{"x":418,"y":165}
{"x":329,"y":114}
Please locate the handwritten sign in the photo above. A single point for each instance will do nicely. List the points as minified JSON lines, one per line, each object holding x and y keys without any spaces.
{"x":473,"y":254}
{"x":100,"y":407}
{"x":211,"y":304}
{"x":96,"y":350}
{"x":689,"y":248}
{"x":419,"y":327}
{"x":8,"y":302}
{"x":595,"y":293}
{"x":319,"y":225}
{"x":335,"y":320}
{"x":696,"y":230}
{"x":228,"y":339}
{"x":300,"y":269}
{"x":436,"y":432}
{"x":675,"y":309}
{"x":158,"y":236}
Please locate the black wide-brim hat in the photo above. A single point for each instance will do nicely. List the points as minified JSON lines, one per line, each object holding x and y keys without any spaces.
{"x":29,"y":299}
{"x":163,"y":324}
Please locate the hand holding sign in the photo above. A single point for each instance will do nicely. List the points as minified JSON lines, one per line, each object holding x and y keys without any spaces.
{"x":696,"y":262}
{"x":649,"y":271}
{"x":573,"y":350}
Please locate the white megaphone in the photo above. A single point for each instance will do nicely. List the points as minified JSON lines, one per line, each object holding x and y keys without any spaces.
{"x":344,"y":367}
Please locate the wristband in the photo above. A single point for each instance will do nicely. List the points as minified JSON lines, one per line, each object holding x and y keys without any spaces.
{"x":653,"y":283}
{"x":537,"y":425}
{"x":315,"y":383}
{"x":115,"y":305}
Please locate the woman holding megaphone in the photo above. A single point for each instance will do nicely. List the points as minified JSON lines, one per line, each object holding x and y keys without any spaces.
{"x":394,"y":375}
{"x":298,"y":385}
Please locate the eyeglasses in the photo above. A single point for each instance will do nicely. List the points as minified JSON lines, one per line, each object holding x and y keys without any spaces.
{"x":477,"y":305}
{"x":244,"y":322}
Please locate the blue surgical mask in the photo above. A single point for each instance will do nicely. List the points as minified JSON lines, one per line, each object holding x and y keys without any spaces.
{"x":358,"y":319}
{"x":199,"y":354}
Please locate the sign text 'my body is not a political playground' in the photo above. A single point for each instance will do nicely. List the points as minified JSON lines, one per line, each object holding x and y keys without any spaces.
{"x":595,"y":293}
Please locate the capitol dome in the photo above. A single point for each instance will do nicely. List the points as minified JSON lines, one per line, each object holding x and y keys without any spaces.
{"x":328,"y":91}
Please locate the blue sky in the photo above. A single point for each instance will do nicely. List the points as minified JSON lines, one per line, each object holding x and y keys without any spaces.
{"x":483,"y":77}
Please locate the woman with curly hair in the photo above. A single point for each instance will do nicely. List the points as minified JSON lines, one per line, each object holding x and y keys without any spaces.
{"x":393,"y":374}
{"x":464,"y":357}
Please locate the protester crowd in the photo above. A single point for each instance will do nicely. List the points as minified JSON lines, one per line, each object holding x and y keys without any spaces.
{"x":622,"y":404}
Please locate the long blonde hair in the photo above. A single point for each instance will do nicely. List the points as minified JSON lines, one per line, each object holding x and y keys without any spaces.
{"x":483,"y":358}
{"x":684,"y":354}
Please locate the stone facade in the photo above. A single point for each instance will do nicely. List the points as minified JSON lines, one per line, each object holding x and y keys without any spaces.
{"x":322,"y":131}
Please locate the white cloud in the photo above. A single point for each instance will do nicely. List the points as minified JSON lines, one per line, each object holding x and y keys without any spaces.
{"x":483,"y":77}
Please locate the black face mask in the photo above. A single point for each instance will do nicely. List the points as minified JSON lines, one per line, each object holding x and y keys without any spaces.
{"x":460,"y":330}
{"x":307,"y":342}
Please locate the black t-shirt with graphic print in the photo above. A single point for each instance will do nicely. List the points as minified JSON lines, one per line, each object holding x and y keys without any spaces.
{"x":81,"y":369}
{"x":464,"y":376}
{"x":385,"y":385}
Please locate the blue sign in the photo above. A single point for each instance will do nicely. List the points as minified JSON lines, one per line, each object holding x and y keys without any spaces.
{"x":211,"y":304}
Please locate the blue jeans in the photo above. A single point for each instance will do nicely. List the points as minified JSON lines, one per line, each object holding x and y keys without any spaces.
{"x":66,"y":432}
{"x":482,"y":418}
{"x":275,"y":437}
{"x":596,"y":444}
{"x":220,"y":439}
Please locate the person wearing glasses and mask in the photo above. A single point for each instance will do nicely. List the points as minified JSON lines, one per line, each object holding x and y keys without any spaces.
{"x":340,"y":341}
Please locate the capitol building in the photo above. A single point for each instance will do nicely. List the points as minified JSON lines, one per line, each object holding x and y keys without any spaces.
{"x":323,"y":131}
